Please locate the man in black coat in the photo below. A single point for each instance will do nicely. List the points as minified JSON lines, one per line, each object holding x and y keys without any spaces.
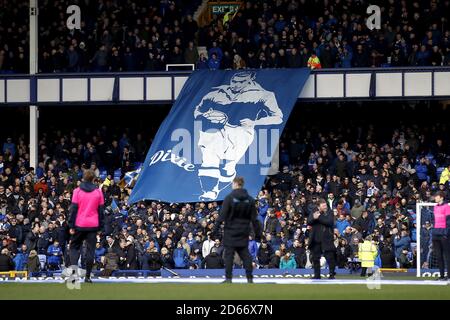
{"x":213,"y":260}
{"x":6,"y":262}
{"x":152,"y":260}
{"x":264,"y":253}
{"x":321,"y":238}
{"x":237,"y":212}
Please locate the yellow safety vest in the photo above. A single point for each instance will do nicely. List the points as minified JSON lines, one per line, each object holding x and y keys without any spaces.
{"x":445,"y":176}
{"x":367,"y":253}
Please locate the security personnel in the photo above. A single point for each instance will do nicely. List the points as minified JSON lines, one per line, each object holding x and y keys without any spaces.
{"x":321,"y":238}
{"x":440,"y":234}
{"x":237,"y":212}
{"x":367,"y":252}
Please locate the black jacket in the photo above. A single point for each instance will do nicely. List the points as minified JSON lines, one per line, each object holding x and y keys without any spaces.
{"x":213,"y":261}
{"x":274,"y":262}
{"x":131,"y":261}
{"x":6,"y":263}
{"x":342,"y":255}
{"x":387,"y":256}
{"x":238,"y":211}
{"x":31,"y":241}
{"x":264,"y":255}
{"x":300,"y":256}
{"x":152,"y":261}
{"x":321,"y":233}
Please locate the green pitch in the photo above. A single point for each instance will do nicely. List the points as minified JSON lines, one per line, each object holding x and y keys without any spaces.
{"x":111,"y":291}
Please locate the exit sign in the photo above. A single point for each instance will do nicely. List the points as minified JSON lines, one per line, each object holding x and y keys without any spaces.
{"x":218,"y":9}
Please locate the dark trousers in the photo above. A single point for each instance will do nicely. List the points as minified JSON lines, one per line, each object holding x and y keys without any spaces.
{"x":76,"y":245}
{"x":364,"y":271}
{"x":246,"y":260}
{"x":441,"y":246}
{"x":330,"y":256}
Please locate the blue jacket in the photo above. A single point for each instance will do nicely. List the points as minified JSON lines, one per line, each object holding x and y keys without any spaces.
{"x":214,"y":64}
{"x":196,"y":263}
{"x":341,"y":225}
{"x":54,"y":254}
{"x":19,"y":260}
{"x":10,"y":146}
{"x":217,"y":51}
{"x":180,"y":257}
{"x":346,"y":60}
{"x":191,"y":242}
{"x":422,"y":171}
{"x":253,"y":248}
{"x":100,"y":252}
{"x":414,"y":234}
{"x":401,"y":243}
{"x":263,"y":206}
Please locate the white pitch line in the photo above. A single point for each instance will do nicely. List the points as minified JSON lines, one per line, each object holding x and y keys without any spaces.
{"x":243,"y":280}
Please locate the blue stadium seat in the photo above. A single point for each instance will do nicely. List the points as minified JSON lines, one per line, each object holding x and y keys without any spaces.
{"x":117,"y":174}
{"x":103,"y":174}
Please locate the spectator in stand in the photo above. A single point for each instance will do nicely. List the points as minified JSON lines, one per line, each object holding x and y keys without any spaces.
{"x":54,"y":253}
{"x":314,"y":62}
{"x":213,"y":62}
{"x":213,"y":261}
{"x":287,"y":262}
{"x":6,"y":262}
{"x":370,"y":171}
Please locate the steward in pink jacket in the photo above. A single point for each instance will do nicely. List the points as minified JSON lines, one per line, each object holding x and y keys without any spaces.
{"x":87,"y":209}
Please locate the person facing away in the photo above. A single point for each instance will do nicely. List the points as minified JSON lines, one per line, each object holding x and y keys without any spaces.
{"x":237,"y":213}
{"x":6,"y":262}
{"x":367,"y":252}
{"x":86,"y":219}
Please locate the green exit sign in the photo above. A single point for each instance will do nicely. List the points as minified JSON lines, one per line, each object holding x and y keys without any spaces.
{"x":224,"y":8}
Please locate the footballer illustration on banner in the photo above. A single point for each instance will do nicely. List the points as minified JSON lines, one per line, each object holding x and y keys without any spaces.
{"x":223,"y":124}
{"x":228,"y":134}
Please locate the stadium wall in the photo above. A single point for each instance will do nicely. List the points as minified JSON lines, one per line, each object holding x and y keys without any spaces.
{"x":163,"y":87}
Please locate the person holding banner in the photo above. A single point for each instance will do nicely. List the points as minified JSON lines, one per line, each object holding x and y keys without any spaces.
{"x":237,"y":213}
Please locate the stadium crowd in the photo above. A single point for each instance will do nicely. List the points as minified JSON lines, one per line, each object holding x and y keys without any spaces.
{"x":138,"y":35}
{"x":370,"y":183}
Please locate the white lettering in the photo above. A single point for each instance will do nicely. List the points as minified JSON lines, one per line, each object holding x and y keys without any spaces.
{"x":164,"y":156}
{"x":74,"y":20}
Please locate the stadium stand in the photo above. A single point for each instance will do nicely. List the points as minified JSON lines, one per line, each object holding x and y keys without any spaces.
{"x":370,"y":175}
{"x":125,"y":35}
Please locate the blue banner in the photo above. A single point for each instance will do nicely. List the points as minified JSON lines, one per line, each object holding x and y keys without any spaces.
{"x":223,"y":124}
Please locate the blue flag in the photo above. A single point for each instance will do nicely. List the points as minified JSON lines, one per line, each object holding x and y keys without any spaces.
{"x":114,"y":206}
{"x":223,"y":124}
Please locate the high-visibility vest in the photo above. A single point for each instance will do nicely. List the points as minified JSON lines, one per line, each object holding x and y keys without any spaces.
{"x":314,"y":62}
{"x":445,"y":176}
{"x":367,"y":253}
{"x":226,"y":17}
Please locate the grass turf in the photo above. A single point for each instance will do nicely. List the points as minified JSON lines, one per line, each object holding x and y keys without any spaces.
{"x":113,"y":291}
